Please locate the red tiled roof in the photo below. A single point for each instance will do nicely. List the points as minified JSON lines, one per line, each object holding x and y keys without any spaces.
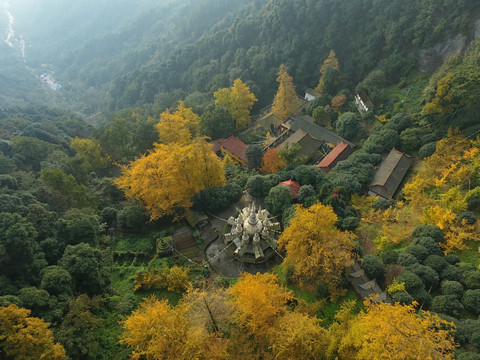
{"x":339,"y":152}
{"x":293,"y":185}
{"x":232,"y":144}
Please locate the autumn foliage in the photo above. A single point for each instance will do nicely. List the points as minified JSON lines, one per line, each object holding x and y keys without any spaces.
{"x":441,"y":189}
{"x":272,"y":161}
{"x":285,"y":102}
{"x":167,"y":178}
{"x":180,"y":126}
{"x":386,"y":331}
{"x":316,"y":249}
{"x":25,"y":337}
{"x":238,"y":100}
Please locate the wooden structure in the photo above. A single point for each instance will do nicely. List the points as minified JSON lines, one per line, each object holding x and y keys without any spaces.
{"x":390,"y":174}
{"x":309,"y":145}
{"x":233,"y":147}
{"x":338,"y":153}
{"x":318,"y":132}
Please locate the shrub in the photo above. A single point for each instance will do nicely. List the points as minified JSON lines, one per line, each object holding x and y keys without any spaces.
{"x":406,"y":259}
{"x":425,"y":230}
{"x":399,"y":122}
{"x":383,"y":204}
{"x":468,"y":216}
{"x":349,"y":223}
{"x":451,"y":272}
{"x":430,"y":244}
{"x":423,"y":298}
{"x":374,"y":268}
{"x":412,"y":282}
{"x":471,"y":301}
{"x":452,"y":259}
{"x":419,"y":251}
{"x":402,"y":297}
{"x":472,"y":279}
{"x":466,"y":355}
{"x":410,"y":139}
{"x":389,"y":257}
{"x":427,"y":274}
{"x":452,"y":288}
{"x":447,"y":304}
{"x":427,"y":150}
{"x":436,"y":262}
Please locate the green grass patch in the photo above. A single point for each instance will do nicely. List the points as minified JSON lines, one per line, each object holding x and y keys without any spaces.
{"x":135,"y":243}
{"x":471,"y":255}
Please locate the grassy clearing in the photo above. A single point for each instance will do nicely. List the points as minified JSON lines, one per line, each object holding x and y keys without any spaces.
{"x":472,"y":254}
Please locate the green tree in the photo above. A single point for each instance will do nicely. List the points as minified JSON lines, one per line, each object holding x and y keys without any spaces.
{"x":87,"y":267}
{"x":254,"y":154}
{"x":348,"y":125}
{"x":17,"y":244}
{"x":278,"y":199}
{"x":217,"y":123}
{"x":77,"y":331}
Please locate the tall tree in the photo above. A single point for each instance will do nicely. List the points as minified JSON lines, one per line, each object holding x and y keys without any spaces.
{"x":167,"y":178}
{"x":180,"y":126}
{"x":238,"y":100}
{"x":157,"y":331}
{"x":395,"y":331}
{"x":317,"y":251}
{"x":272,"y":162}
{"x":285,"y":102}
{"x":328,"y":73}
{"x":254,"y":154}
{"x":259,"y":301}
{"x":217,"y":123}
{"x":25,"y":337}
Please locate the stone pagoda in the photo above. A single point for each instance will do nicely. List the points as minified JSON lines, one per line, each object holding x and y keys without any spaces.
{"x":253,"y":235}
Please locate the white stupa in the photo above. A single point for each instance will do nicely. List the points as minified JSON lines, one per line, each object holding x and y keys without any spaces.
{"x":252,"y":234}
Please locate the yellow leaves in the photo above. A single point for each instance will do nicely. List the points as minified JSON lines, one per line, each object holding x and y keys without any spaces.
{"x":332,"y":62}
{"x":259,"y":301}
{"x":285,"y":102}
{"x":159,"y":332}
{"x":173,"y":279}
{"x":457,"y":232}
{"x":441,"y":103}
{"x":181,"y":126}
{"x":396,"y":287}
{"x":386,"y":331}
{"x":167,"y":178}
{"x":238,"y":100}
{"x":453,"y":200}
{"x":261,"y":306}
{"x":298,"y":336}
{"x":23,"y":337}
{"x":88,"y":150}
{"x":317,"y":251}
